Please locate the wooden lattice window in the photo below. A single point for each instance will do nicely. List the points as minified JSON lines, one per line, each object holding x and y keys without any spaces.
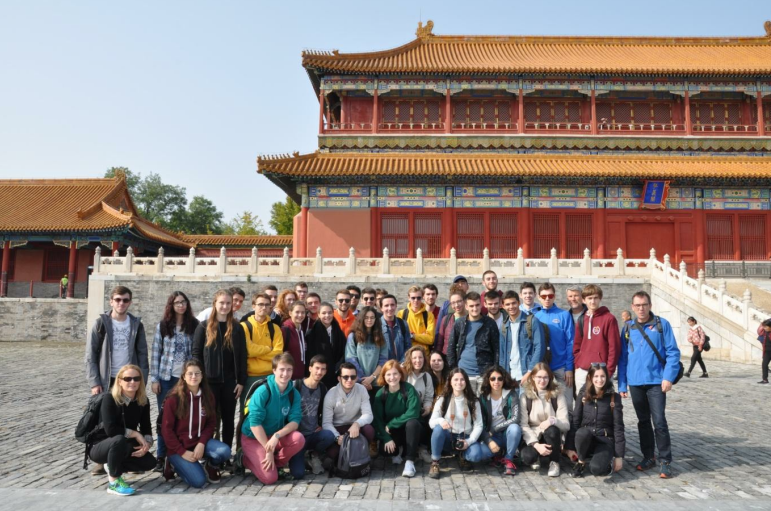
{"x":622,"y":113}
{"x":474,"y":113}
{"x":662,"y":113}
{"x":752,"y":240}
{"x":470,"y":232}
{"x":389,"y":111}
{"x":578,"y":235}
{"x":720,"y":240}
{"x":720,"y":114}
{"x":395,"y":234}
{"x":546,"y":234}
{"x":503,"y":235}
{"x":428,"y":234}
{"x":412,"y":113}
{"x":56,"y":263}
{"x":641,"y":113}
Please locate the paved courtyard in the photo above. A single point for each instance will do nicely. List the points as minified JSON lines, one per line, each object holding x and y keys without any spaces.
{"x":719,"y":426}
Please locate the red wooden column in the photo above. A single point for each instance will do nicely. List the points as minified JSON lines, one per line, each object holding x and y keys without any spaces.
{"x":448,"y":112}
{"x":375,"y":119}
{"x":71,"y":269}
{"x":599,"y":231}
{"x":761,"y":123}
{"x":524,"y":231}
{"x":594,"y":113}
{"x":321,"y":112}
{"x":5,"y":267}
{"x":700,"y":228}
{"x":303,"y":248}
{"x":521,"y":114}
{"x":343,"y":113}
{"x":115,"y":247}
{"x":688,"y":127}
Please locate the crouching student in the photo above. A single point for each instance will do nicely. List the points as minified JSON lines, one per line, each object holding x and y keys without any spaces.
{"x":347,"y":410}
{"x":269,"y":435}
{"x":124,"y":442}
{"x":597,"y":431}
{"x":189,"y":419}
{"x":500,"y":416}
{"x":456,"y":421}
{"x":396,"y":409}
{"x":544,"y":419}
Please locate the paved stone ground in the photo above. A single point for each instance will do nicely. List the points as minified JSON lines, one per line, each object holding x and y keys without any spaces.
{"x":719,"y":432}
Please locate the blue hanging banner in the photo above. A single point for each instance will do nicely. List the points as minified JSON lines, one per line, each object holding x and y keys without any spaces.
{"x":655,"y":195}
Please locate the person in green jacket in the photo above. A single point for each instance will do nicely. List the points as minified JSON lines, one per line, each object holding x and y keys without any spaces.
{"x":396,"y":408}
{"x":269,"y":434}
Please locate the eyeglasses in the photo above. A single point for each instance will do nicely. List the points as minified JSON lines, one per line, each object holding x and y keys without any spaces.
{"x":496,"y":378}
{"x":640,"y":305}
{"x":121,"y":300}
{"x":548,"y":297}
{"x":128,"y":379}
{"x":262,"y":305}
{"x":354,"y":297}
{"x":193,"y":375}
{"x":416,"y":298}
{"x":368,"y":299}
{"x":343,"y":300}
{"x":347,"y":377}
{"x":595,"y":365}
{"x":540,"y":377}
{"x":369,"y":318}
{"x":179,"y":304}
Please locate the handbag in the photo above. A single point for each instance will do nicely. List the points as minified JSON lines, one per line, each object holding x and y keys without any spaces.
{"x":706,"y":346}
{"x":662,"y":361}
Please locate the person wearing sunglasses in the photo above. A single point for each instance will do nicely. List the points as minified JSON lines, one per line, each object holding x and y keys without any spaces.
{"x":368,"y":297}
{"x":597,"y":429}
{"x":116,"y":339}
{"x":420,"y":321}
{"x":125,"y":437}
{"x":597,"y":336}
{"x":343,"y":314}
{"x":347,"y":409}
{"x":500,"y":415}
{"x":355,"y":292}
{"x":559,"y":352}
{"x":189,"y":419}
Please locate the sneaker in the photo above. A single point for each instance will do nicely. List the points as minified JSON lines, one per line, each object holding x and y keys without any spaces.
{"x":98,"y":470}
{"x":536,"y":466}
{"x":327,"y":463}
{"x":666,"y":471}
{"x":578,"y":469}
{"x":646,"y":464}
{"x":159,"y":465}
{"x":316,"y":466}
{"x":409,"y":469}
{"x":119,"y":487}
{"x":168,"y":470}
{"x":687,"y":375}
{"x":212,"y":473}
{"x":705,"y":375}
{"x":433,"y":472}
{"x":285,"y":475}
{"x":554,"y":469}
{"x":424,"y":455}
{"x":509,"y":468}
{"x":762,"y":382}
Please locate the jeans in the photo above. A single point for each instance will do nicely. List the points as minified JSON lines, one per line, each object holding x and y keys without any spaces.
{"x":116,"y":452}
{"x":551,"y":437}
{"x":166,"y":386}
{"x":650,"y":403}
{"x":318,"y":442}
{"x":696,"y":357}
{"x":192,"y":472}
{"x":599,"y":448}
{"x":507,"y":440}
{"x":443,"y":440}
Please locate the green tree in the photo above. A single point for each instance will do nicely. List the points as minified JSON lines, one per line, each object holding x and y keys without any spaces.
{"x":282,"y":216}
{"x":158,"y":201}
{"x":200,"y":217}
{"x":245,"y":224}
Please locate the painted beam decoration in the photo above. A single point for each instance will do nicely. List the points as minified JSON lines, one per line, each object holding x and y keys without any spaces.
{"x":655,"y":195}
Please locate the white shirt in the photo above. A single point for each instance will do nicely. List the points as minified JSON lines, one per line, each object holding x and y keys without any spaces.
{"x":515,"y":366}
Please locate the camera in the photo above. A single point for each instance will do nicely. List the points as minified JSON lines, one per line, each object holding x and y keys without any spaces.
{"x":459,"y":444}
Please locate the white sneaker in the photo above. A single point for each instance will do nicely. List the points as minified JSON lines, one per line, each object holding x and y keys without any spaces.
{"x":316,"y":467}
{"x":554,"y":469}
{"x":536,"y":466}
{"x":396,"y":459}
{"x":409,"y":469}
{"x":424,"y":455}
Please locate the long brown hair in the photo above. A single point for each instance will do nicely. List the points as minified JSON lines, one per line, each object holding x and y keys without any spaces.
{"x":468,"y":393}
{"x":281,"y":306}
{"x":486,"y":389}
{"x":212,"y":328}
{"x":407,"y":364}
{"x":590,"y":394}
{"x":169,"y":321}
{"x":552,"y":389}
{"x":360,"y":330}
{"x":181,"y":390}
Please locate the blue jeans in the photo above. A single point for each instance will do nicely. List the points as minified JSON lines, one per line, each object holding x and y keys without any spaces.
{"x":442,"y":440}
{"x":507,"y":440}
{"x":192,"y":473}
{"x":166,"y":386}
{"x":317,"y":441}
{"x":650,"y":403}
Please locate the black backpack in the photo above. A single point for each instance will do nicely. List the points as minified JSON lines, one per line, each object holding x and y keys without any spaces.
{"x":90,"y":423}
{"x":406,"y":314}
{"x":250,"y":328}
{"x":353,"y":460}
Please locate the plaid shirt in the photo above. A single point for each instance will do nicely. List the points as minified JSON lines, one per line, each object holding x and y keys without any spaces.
{"x":162,"y":361}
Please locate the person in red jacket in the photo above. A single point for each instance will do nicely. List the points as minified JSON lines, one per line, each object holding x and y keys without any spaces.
{"x":597,"y":337}
{"x":294,"y":336}
{"x":189,"y":417}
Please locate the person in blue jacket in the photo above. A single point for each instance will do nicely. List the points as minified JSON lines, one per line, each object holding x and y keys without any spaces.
{"x":642,"y":375}
{"x":561,"y":333}
{"x":521,"y":348}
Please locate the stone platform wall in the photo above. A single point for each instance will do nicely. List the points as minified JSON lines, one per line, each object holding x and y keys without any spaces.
{"x":43,"y":319}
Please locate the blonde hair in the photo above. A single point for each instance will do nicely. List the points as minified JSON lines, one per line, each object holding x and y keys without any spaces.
{"x":391,"y":364}
{"x":117,"y":393}
{"x":407,"y":364}
{"x":552,"y":389}
{"x":212,"y":328}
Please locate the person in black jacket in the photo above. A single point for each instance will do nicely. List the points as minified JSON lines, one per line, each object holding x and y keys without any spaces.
{"x":124,"y":440}
{"x":326,"y":338}
{"x":474,"y":342}
{"x":597,"y":431}
{"x":220,"y":346}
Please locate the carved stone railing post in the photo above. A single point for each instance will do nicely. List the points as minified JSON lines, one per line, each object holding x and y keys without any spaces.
{"x":285,"y":262}
{"x":554,"y":264}
{"x":587,"y":262}
{"x":485,"y":260}
{"x":699,"y":284}
{"x":97,"y":259}
{"x":129,"y":266}
{"x":746,"y":303}
{"x":652,"y":258}
{"x":386,"y":262}
{"x":319,"y":261}
{"x":419,"y":262}
{"x":253,"y":261}
{"x":667,"y":263}
{"x":620,"y":262}
{"x":116,"y":254}
{"x":222,"y":264}
{"x":159,"y":261}
{"x":191,"y":261}
{"x":721,"y":288}
{"x":453,"y":262}
{"x":520,"y":266}
{"x":351,"y":261}
{"x":683,"y":275}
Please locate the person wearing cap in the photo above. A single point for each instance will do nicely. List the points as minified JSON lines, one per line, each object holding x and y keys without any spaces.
{"x":459,"y":281}
{"x":63,"y":287}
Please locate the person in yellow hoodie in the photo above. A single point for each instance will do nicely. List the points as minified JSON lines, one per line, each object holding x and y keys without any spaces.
{"x":420,"y":321}
{"x":264,"y":341}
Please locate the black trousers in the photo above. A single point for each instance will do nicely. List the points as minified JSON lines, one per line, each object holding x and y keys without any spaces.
{"x":116,"y":452}
{"x":226,"y":401}
{"x":696,"y":357}
{"x":598,"y":448}
{"x":408,"y":437}
{"x":551,"y":437}
{"x":766,"y":361}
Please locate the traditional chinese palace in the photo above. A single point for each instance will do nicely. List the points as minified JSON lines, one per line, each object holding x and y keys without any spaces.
{"x":474,"y":142}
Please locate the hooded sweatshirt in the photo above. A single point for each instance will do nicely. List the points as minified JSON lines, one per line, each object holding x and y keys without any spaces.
{"x":598,"y":341}
{"x":561,"y":333}
{"x":272,"y":409}
{"x":260,"y":348}
{"x":423,"y":331}
{"x":195,"y":428}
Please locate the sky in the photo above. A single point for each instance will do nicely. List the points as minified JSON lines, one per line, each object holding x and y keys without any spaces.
{"x":194,"y":91}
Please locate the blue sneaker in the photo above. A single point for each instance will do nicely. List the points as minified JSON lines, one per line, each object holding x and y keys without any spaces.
{"x":120,"y":487}
{"x":666,"y":471}
{"x":646,"y":464}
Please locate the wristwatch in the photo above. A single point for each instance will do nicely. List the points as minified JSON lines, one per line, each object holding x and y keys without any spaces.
{"x":277,"y":435}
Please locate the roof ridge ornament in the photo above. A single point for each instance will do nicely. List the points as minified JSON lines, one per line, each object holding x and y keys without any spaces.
{"x":425,"y":33}
{"x":767,"y":26}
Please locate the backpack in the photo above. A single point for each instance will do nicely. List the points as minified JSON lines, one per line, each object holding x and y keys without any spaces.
{"x":238,"y":458}
{"x":529,"y":402}
{"x":90,"y":423}
{"x":353,"y":460}
{"x":406,"y":314}
{"x":271,"y":329}
{"x":546,"y":338}
{"x":662,"y":360}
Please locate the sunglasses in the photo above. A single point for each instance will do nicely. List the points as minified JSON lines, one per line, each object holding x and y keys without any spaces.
{"x":416,"y":297}
{"x":548,"y":297}
{"x":368,"y":299}
{"x":344,"y":300}
{"x":348,"y":377}
{"x":128,"y":379}
{"x":595,"y":365}
{"x":121,"y":300}
{"x":354,"y":297}
{"x":496,"y":378}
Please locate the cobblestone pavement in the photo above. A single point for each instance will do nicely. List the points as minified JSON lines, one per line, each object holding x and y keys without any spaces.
{"x":719,"y":430}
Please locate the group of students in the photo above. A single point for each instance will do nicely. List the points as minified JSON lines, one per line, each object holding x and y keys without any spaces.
{"x":485,"y":376}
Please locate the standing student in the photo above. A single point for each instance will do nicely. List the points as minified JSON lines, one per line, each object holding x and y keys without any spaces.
{"x":272,"y":292}
{"x":418,"y":374}
{"x":544,"y":419}
{"x":172,"y":347}
{"x":264,"y":340}
{"x":116,"y":339}
{"x":189,"y":420}
{"x":284,"y":304}
{"x":430,"y":293}
{"x":493,"y":306}
{"x":124,"y":440}
{"x":269,"y":434}
{"x":576,"y":307}
{"x":396,"y":409}
{"x":366,"y":348}
{"x":238,"y":299}
{"x":561,"y":335}
{"x":696,"y":337}
{"x":347,"y":409}
{"x":641,"y":374}
{"x":527,"y":293}
{"x":447,"y":323}
{"x":458,"y":283}
{"x":420,"y":321}
{"x":328,"y":340}
{"x":596,"y":336}
{"x":312,"y":302}
{"x":522,"y":342}
{"x":355,"y":294}
{"x":294,"y":336}
{"x":379,"y":294}
{"x":368,"y":297}
{"x":343,"y":314}
{"x":301,"y":290}
{"x":456,"y":421}
{"x":490,"y":283}
{"x":474,"y":344}
{"x":220,"y":346}
{"x":395,"y":330}
{"x":764,"y":337}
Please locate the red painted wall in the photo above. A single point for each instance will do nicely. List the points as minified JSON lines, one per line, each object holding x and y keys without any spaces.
{"x":357,"y":109}
{"x":29,"y":265}
{"x":337,"y":230}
